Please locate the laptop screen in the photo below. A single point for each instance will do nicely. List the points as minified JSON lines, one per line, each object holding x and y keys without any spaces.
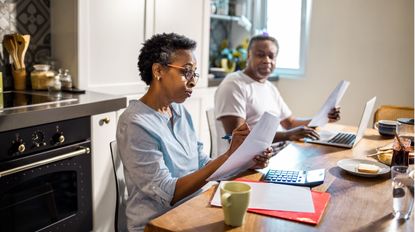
{"x":364,"y":121}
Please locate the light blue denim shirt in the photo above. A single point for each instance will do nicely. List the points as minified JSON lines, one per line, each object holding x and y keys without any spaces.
{"x":155,"y":155}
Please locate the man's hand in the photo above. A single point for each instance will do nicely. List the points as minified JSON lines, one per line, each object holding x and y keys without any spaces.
{"x":334,"y":114}
{"x":301,"y":132}
{"x":262,"y":160}
{"x":238,"y":137}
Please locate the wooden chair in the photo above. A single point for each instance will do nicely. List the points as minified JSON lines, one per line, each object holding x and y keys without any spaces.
{"x":389,"y":112}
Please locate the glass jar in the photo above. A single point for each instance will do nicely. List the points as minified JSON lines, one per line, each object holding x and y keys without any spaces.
{"x":66,"y":80}
{"x":405,"y":129}
{"x":41,"y":76}
{"x":400,"y":153}
{"x":55,"y":83}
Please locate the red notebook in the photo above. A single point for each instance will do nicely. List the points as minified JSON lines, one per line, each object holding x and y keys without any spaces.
{"x":320,"y":200}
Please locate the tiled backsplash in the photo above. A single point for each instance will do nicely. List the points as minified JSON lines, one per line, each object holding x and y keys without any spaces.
{"x":27,"y":17}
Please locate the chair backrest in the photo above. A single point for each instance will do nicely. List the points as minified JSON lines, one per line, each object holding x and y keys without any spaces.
{"x":389,"y":112}
{"x":122,"y":194}
{"x":217,"y":145}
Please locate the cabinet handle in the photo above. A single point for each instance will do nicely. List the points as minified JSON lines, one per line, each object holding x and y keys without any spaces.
{"x":105,"y":120}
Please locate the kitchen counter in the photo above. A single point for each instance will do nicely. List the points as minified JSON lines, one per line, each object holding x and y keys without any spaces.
{"x":87,"y":104}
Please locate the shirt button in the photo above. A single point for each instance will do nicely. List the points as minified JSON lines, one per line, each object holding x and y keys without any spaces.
{"x":154,"y":187}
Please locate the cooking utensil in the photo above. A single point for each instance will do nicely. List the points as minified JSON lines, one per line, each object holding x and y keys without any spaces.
{"x":22,"y":42}
{"x":11,"y":48}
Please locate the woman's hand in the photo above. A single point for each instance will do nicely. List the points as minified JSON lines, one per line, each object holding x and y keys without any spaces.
{"x":334,"y":114}
{"x":238,"y":137}
{"x":262,"y":160}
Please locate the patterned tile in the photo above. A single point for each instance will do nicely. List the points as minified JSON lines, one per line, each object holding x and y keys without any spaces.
{"x":28,"y":17}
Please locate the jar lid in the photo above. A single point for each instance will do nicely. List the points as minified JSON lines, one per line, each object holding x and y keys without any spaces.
{"x":409,"y":121}
{"x":41,"y":67}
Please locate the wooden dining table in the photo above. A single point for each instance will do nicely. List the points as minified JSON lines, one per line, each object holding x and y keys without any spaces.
{"x":356,"y":204}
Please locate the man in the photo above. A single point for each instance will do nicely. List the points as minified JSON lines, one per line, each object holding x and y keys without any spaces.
{"x":243,"y":96}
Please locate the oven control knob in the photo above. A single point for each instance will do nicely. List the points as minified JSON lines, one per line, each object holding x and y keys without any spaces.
{"x":21,"y":148}
{"x":38,"y":139}
{"x":18,"y":146}
{"x":58,"y":138}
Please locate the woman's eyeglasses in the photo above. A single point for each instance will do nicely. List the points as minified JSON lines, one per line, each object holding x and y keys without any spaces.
{"x":187,"y":72}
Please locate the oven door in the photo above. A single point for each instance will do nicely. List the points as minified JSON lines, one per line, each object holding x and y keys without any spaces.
{"x":49,"y":191}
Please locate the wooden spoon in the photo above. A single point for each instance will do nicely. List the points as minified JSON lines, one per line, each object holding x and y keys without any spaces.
{"x":22,"y":45}
{"x":8,"y":43}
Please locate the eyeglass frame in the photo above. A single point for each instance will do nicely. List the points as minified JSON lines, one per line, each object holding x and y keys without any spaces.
{"x":195,"y":76}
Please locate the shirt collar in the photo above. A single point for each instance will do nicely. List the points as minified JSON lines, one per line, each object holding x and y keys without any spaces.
{"x":174,"y":108}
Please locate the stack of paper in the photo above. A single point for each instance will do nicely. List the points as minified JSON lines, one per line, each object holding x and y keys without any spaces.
{"x":321,"y":119}
{"x":255,"y":143}
{"x":283,"y":201}
{"x":275,"y":197}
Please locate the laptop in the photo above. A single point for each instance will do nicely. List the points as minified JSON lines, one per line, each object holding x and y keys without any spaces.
{"x":346,"y":139}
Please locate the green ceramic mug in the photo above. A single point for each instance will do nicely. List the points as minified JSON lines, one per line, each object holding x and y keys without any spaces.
{"x":235,"y":201}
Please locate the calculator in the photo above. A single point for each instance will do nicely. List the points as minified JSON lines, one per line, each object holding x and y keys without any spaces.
{"x":309,"y":178}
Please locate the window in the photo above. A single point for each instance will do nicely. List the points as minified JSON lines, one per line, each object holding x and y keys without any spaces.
{"x":287,"y":21}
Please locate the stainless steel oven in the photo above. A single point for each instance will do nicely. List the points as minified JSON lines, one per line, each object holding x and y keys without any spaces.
{"x":45,"y":177}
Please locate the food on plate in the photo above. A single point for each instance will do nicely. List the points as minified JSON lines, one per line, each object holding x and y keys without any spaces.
{"x":386,"y":147}
{"x":385,"y":157}
{"x":368,"y":168}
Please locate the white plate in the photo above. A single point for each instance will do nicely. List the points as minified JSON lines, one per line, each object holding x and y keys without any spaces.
{"x":350,"y":165}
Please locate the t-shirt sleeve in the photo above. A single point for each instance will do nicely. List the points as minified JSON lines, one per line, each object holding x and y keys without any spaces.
{"x":230,"y":100}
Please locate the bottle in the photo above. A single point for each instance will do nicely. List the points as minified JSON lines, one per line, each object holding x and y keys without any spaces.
{"x":66,"y":80}
{"x":55,"y":83}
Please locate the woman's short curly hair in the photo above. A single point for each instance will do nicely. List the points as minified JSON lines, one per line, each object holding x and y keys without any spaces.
{"x":159,"y":49}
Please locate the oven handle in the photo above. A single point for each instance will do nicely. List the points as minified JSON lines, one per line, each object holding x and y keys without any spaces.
{"x":84,"y":150}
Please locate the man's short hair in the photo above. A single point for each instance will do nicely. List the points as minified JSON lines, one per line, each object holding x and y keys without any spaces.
{"x":263,"y":37}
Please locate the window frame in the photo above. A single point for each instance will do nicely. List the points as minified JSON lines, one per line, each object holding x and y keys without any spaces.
{"x":304,"y":34}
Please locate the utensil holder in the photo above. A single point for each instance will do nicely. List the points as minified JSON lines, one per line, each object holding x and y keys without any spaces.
{"x":19,"y":77}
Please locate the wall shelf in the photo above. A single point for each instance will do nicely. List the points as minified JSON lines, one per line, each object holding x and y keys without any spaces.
{"x":225,"y":17}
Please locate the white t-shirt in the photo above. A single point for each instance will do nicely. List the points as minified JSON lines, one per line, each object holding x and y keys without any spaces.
{"x":241,"y":96}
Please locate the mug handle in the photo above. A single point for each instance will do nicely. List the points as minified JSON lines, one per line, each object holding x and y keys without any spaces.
{"x":376,"y":126}
{"x":225,"y":199}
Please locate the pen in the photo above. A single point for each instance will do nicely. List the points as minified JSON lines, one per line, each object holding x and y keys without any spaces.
{"x":227,"y":137}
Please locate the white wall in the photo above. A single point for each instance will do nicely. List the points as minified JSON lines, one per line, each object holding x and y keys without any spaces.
{"x":368,"y":42}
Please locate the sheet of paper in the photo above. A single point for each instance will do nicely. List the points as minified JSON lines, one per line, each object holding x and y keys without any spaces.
{"x":256,"y":142}
{"x":275,"y":197}
{"x":320,"y":119}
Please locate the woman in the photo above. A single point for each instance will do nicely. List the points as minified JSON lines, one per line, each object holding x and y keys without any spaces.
{"x":163,"y":160}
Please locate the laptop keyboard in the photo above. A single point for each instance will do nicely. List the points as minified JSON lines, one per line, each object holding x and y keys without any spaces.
{"x":343,"y":138}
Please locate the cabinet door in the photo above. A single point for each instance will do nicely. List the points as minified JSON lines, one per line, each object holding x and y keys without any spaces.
{"x":186,"y":17}
{"x":103,"y":180}
{"x":111,"y":34}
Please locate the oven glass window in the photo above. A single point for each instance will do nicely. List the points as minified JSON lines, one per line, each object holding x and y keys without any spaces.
{"x":38,"y":202}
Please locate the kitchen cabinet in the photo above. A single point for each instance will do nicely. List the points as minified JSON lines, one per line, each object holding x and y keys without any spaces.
{"x":99,"y":41}
{"x":103,"y":127}
{"x":110,"y":35}
{"x":186,"y":17}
